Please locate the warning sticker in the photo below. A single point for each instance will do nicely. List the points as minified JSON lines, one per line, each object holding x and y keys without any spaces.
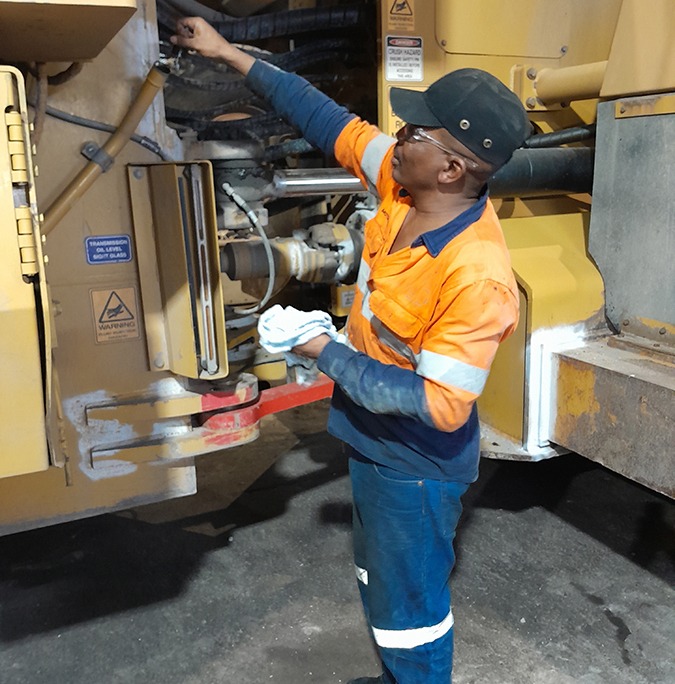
{"x":403,"y":59}
{"x":115,"y":314}
{"x":402,"y":14}
{"x":346,"y":298}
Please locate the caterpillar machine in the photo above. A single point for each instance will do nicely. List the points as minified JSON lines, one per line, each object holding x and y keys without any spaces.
{"x":150,"y":206}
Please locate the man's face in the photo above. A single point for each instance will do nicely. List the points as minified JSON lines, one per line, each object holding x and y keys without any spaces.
{"x":414,"y":163}
{"x":421,"y":153}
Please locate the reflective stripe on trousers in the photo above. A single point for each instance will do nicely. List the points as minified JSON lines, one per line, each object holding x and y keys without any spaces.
{"x":403,"y":533}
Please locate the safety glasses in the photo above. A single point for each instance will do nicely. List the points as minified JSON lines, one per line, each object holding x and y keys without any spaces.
{"x":417,"y":134}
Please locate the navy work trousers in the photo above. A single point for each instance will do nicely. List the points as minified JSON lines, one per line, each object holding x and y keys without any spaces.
{"x":403,"y":533}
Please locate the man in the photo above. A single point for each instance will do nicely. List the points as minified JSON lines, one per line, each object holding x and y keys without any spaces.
{"x":435,"y":297}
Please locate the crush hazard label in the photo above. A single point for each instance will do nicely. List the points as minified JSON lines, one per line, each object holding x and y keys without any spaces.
{"x":403,"y":58}
{"x":115,"y":314}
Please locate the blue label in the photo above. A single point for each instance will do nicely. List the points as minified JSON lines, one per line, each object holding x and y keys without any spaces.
{"x":108,"y":249}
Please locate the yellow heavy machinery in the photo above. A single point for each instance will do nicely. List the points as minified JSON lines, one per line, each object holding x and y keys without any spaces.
{"x":170,"y":206}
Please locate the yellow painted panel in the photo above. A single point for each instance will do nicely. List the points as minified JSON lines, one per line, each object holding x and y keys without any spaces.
{"x":526,"y":28}
{"x":54,"y":30}
{"x":642,"y":59}
{"x":23,"y":440}
{"x":501,"y":406}
{"x":549,"y":258}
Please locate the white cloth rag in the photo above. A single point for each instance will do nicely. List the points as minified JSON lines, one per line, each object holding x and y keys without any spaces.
{"x":282,"y":328}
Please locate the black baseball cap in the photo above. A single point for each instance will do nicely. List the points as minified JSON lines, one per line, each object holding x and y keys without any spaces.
{"x":474,"y":107}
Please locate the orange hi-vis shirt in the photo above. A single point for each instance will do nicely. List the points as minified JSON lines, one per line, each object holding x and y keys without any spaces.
{"x":441,"y":316}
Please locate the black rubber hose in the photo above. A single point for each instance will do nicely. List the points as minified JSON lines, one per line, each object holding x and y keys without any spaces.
{"x":256,"y":128}
{"x":291,"y":22}
{"x":142,"y":140}
{"x":555,"y":171}
{"x":564,"y":137}
{"x":308,"y":55}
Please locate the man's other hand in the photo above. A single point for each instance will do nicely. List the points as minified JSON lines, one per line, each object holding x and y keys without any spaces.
{"x":313,"y":348}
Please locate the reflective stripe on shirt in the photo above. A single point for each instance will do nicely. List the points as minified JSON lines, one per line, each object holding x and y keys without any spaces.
{"x":372,"y":158}
{"x":383,"y":333}
{"x":412,"y":638}
{"x":450,"y":371}
{"x":428,"y":364}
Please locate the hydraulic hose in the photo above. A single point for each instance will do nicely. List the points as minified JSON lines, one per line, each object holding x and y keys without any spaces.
{"x":154,"y":82}
{"x":290,"y":23}
{"x":531,"y":173}
{"x":564,"y":137}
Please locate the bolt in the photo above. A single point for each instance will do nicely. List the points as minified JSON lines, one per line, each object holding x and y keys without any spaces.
{"x":563,"y":50}
{"x":531,"y":73}
{"x":444,"y":43}
{"x":622,"y":109}
{"x":662,"y":331}
{"x":138,"y":173}
{"x":531,"y":102}
{"x":626,"y":322}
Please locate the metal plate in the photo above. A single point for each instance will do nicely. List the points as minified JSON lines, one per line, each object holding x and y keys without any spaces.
{"x":632,"y":232}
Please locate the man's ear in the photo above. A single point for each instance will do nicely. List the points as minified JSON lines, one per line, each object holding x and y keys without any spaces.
{"x":452,"y":171}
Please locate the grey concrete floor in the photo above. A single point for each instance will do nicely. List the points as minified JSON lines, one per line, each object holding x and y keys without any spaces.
{"x":565,"y":574}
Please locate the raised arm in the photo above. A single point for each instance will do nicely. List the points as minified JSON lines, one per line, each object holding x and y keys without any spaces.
{"x":315,"y":115}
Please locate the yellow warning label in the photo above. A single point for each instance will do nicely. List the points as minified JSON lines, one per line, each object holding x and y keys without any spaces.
{"x":402,"y":14}
{"x":115,"y":314}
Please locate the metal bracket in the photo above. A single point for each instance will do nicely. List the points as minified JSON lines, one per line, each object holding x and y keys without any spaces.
{"x":523,"y":77}
{"x":649,"y":105}
{"x":97,"y":154}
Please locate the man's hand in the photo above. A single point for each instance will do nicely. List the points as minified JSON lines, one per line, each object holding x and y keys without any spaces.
{"x":313,"y":348}
{"x":194,"y":33}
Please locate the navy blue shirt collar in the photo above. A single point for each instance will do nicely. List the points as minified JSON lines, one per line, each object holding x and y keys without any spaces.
{"x":435,"y":240}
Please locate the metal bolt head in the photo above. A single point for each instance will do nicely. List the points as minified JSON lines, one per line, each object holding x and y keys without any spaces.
{"x":531,"y":102}
{"x":138,"y":173}
{"x":563,"y":50}
{"x":444,"y":43}
{"x":622,"y":109}
{"x":531,"y":73}
{"x":662,"y":331}
{"x":626,"y":322}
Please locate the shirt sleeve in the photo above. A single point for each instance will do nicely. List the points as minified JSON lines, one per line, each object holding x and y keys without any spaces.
{"x":365,"y":151}
{"x":377,"y":386}
{"x":314,"y":114}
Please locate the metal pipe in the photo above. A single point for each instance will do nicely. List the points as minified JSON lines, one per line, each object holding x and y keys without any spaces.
{"x":305,"y":182}
{"x":154,"y":82}
{"x":581,"y":82}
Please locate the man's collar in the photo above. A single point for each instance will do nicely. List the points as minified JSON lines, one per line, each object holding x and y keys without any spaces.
{"x":435,"y":240}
